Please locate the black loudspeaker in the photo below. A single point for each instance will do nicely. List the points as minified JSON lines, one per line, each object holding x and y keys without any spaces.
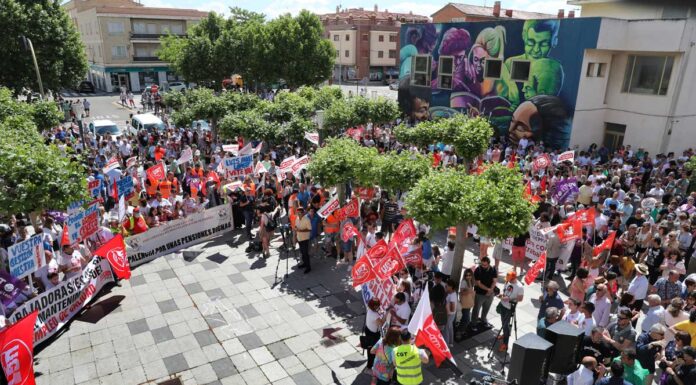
{"x":529,"y":360}
{"x":567,"y":346}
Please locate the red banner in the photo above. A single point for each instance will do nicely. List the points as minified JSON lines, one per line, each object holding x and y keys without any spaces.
{"x":586,"y":216}
{"x":351,"y":210}
{"x":365,"y":193}
{"x":533,"y":271}
{"x":65,"y":238}
{"x":156,"y":173}
{"x":362,"y":271}
{"x":569,"y":231}
{"x":389,"y":265}
{"x":606,"y":245}
{"x":405,"y":232}
{"x":412,"y":254}
{"x":349,"y":230}
{"x":115,"y":252}
{"x":378,"y":251}
{"x":17,"y":356}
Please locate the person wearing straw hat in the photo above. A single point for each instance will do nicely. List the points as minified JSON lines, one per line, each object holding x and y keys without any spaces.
{"x":639,"y":286}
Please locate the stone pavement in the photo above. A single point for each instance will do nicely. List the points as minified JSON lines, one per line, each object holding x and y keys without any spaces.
{"x":221,"y":316}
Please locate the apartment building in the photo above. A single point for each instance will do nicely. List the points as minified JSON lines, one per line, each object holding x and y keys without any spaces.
{"x":366,"y":42}
{"x":121,"y":38}
{"x":457,"y":12}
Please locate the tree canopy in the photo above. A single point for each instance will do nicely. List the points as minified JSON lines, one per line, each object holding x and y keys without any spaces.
{"x":342,"y":160}
{"x":59,"y":50}
{"x":397,"y":172}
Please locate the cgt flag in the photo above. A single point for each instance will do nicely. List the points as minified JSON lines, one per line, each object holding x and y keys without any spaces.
{"x":426,"y":331}
{"x":115,"y":252}
{"x":607,"y":244}
{"x":17,"y":355}
{"x":533,"y":271}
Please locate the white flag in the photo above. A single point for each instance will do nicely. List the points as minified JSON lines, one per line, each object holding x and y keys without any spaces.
{"x":427,"y":334}
{"x":246,"y":150}
{"x":121,"y":208}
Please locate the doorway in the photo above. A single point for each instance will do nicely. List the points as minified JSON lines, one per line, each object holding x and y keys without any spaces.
{"x":123,"y":81}
{"x":614,"y":135}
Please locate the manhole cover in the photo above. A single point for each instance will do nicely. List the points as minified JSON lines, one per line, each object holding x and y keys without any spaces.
{"x":173,"y":381}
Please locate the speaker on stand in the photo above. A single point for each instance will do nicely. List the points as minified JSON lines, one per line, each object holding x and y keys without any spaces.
{"x":529,"y":360}
{"x":567,"y":341}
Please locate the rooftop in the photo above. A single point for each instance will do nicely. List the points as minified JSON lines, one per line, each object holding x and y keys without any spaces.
{"x":362,"y":13}
{"x":477,"y":10}
{"x":151,"y":11}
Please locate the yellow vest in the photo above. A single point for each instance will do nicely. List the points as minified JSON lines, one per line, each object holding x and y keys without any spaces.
{"x":408,"y":365}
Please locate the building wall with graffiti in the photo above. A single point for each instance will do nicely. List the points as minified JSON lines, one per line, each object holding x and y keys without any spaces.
{"x":523,"y":75}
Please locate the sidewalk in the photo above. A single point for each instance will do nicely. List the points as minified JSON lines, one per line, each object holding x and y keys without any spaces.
{"x":224,"y":317}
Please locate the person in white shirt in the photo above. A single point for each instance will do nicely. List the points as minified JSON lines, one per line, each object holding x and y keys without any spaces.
{"x":657,"y":192}
{"x":400,"y":311}
{"x":587,"y":323}
{"x":371,"y":237}
{"x":639,"y":286}
{"x":573,"y":315}
{"x":600,"y":299}
{"x":512,"y":294}
{"x":655,"y":313}
{"x":585,"y":374}
{"x":447,"y":260}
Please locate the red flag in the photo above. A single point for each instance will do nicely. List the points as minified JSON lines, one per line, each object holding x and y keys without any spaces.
{"x":115,"y":191}
{"x":156,"y":173}
{"x":378,"y":251}
{"x":405,"y":232}
{"x":389,"y":265}
{"x":65,"y":237}
{"x":426,"y":331}
{"x":351,"y":210}
{"x":412,"y":254}
{"x":115,"y":252}
{"x":606,"y":245}
{"x":17,"y":355}
{"x":542,"y":186}
{"x":586,"y":216}
{"x":569,"y":231}
{"x":511,"y":165}
{"x":362,"y":271}
{"x":533,"y":271}
{"x":528,"y":191}
{"x":536,"y":199}
{"x":349,"y":230}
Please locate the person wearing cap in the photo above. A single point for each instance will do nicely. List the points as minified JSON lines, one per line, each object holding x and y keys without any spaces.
{"x":510,"y":296}
{"x":408,"y":360}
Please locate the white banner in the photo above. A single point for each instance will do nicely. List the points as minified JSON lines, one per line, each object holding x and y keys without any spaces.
{"x":26,"y":256}
{"x":312,"y":137}
{"x":179,"y":234}
{"x":536,"y":244}
{"x":59,"y":305}
{"x":186,"y":156}
{"x":567,"y":156}
{"x":329,"y":207}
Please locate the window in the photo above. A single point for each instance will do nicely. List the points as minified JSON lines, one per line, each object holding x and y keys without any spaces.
{"x":590,"y":70}
{"x":520,"y":70}
{"x":601,"y":69}
{"x":492,"y":68}
{"x":392,"y":54}
{"x":648,"y":75}
{"x":392,"y":38}
{"x":336,"y":37}
{"x":364,"y":37}
{"x":445,"y":69}
{"x":139,"y":27}
{"x":347,"y":53}
{"x":347,"y":37}
{"x":118,"y":51}
{"x":338,"y":53}
{"x":152,"y":29}
{"x":115,"y":27}
{"x":381,"y":38}
{"x":164,"y":28}
{"x":177,"y":29}
{"x":420,"y":76}
{"x":380,"y":54}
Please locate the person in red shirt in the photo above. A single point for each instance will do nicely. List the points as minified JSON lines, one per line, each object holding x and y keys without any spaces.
{"x":211,"y":187}
{"x":437,"y":158}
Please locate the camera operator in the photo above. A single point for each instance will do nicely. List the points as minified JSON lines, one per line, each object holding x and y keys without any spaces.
{"x":683,"y":369}
{"x":513,"y":292}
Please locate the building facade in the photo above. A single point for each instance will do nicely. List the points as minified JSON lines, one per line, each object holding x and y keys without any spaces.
{"x":457,"y":12}
{"x":121,"y":38}
{"x":366,"y":42}
{"x":566,"y":82}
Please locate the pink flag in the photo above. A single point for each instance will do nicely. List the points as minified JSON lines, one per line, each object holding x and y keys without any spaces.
{"x":426,"y":331}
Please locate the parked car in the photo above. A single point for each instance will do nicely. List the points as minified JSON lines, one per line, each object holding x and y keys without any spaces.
{"x":177,"y":86}
{"x":101,"y":127}
{"x":148,"y":122}
{"x":205,"y":126}
{"x":85,"y":86}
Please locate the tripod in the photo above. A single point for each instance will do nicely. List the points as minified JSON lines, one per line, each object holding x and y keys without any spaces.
{"x":511,"y":325}
{"x":285,"y":248}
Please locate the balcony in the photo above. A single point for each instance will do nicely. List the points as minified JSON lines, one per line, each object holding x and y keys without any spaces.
{"x":152,"y":36}
{"x":146,"y":58}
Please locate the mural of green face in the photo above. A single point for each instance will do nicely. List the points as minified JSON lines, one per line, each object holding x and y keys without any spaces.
{"x":545,"y":78}
{"x":538,"y":44}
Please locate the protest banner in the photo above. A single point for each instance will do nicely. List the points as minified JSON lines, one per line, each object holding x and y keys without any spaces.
{"x":57,"y":306}
{"x":10,"y":287}
{"x":566,"y":191}
{"x":312,"y":137}
{"x":75,"y":207}
{"x":286,"y":164}
{"x":94,"y":187}
{"x":125,"y":186}
{"x":365,"y":193}
{"x":536,"y":244}
{"x":260,"y":169}
{"x":156,"y":173}
{"x":233,"y":148}
{"x":541,"y":162}
{"x":239,"y":166}
{"x":26,"y":256}
{"x":567,"y":156}
{"x":83,"y":223}
{"x":258,"y":148}
{"x":115,"y":252}
{"x":186,"y":156}
{"x":231,"y":187}
{"x":350,"y":210}
{"x":176,"y":235}
{"x":384,"y":291}
{"x":533,"y":271}
{"x":112,"y":164}
{"x":390,"y":264}
{"x":362,"y":271}
{"x":328,"y":207}
{"x":132,"y":161}
{"x":299,"y":164}
{"x":569,"y":231}
{"x":246,"y":150}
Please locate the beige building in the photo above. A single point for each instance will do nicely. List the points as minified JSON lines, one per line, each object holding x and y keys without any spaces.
{"x":121,"y":38}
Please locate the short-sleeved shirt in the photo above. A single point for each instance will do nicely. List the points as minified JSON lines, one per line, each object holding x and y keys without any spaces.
{"x":689,"y":327}
{"x":512,"y":290}
{"x":486,"y":277}
{"x":620,"y":335}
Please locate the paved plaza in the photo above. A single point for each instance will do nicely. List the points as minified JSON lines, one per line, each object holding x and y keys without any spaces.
{"x":216,"y":315}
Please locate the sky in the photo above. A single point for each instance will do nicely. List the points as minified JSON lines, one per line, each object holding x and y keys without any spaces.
{"x":273,"y":8}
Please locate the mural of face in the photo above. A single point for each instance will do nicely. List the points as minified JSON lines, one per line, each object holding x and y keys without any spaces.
{"x":420,"y":109}
{"x":545,"y":78}
{"x":521,"y":126}
{"x":478,"y":60}
{"x":538,"y":44}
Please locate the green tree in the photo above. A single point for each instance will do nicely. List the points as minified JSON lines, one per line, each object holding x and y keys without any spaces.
{"x":46,"y":114}
{"x":59,"y":50}
{"x":343,"y":160}
{"x":691,"y":166}
{"x":337,"y":117}
{"x":326,"y":96}
{"x":397,"y":172}
{"x":201,"y":103}
{"x":383,"y":110}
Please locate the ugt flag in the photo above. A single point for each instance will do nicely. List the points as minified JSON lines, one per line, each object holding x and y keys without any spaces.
{"x":115,"y":252}
{"x":426,"y":331}
{"x":17,"y":355}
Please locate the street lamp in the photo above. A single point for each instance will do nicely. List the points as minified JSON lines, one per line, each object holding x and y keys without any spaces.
{"x":26,"y":44}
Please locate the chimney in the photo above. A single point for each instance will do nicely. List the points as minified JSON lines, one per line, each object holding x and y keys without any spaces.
{"x":508,"y":12}
{"x":571,"y":14}
{"x":376,"y":9}
{"x":561,"y":13}
{"x":496,"y":9}
{"x":338,"y":8}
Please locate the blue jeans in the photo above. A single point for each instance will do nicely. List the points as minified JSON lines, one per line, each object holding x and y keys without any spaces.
{"x":466,"y":319}
{"x":248,"y":223}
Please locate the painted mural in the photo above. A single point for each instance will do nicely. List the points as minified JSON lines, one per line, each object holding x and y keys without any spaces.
{"x":539,"y":107}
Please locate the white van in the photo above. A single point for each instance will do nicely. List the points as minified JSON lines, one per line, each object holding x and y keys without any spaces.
{"x":147,"y":122}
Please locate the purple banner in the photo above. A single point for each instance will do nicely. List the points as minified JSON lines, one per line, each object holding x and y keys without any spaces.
{"x":10,"y":287}
{"x":566,"y":191}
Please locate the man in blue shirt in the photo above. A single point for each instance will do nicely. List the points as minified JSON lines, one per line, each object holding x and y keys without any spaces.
{"x":303,"y":195}
{"x":550,"y":299}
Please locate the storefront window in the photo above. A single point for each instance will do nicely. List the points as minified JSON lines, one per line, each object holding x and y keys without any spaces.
{"x":172,"y":77}
{"x":147,"y":78}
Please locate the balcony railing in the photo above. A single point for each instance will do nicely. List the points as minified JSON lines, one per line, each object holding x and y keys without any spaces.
{"x":152,"y":36}
{"x":146,"y":58}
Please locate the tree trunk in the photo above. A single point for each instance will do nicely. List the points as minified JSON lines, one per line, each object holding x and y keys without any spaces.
{"x":341,"y":190}
{"x":459,"y":248}
{"x":213,"y":126}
